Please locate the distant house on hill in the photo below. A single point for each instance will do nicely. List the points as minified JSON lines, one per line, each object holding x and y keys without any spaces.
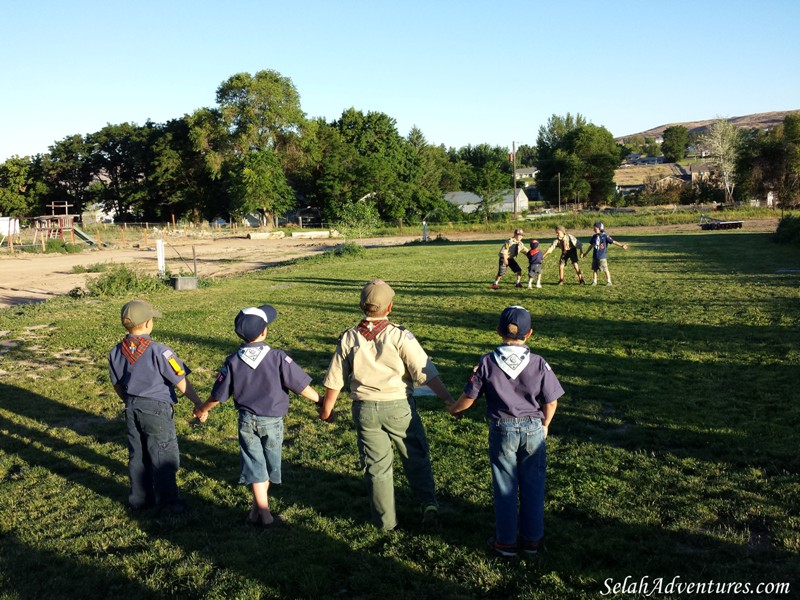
{"x":699,"y":172}
{"x":468,"y":202}
{"x":526,"y":173}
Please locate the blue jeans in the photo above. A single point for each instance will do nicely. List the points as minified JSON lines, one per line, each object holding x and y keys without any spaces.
{"x":260,"y":445}
{"x":518,"y":459}
{"x":153,"y":457}
{"x":381,"y":426}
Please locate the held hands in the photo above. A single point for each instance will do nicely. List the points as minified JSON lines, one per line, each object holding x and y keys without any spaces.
{"x":624,"y":246}
{"x":201,"y":414}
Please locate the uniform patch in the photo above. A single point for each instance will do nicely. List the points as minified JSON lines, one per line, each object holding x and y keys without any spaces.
{"x":546,"y":366}
{"x":173,"y":362}
{"x":223,"y":373}
{"x":288,"y":359}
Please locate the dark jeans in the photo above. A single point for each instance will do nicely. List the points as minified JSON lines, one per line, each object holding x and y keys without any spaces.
{"x":153,"y":457}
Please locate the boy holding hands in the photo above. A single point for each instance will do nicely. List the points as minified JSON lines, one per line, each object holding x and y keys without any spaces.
{"x":259,"y":379}
{"x":521,"y":398}
{"x":145,"y":375}
{"x":381,"y":362}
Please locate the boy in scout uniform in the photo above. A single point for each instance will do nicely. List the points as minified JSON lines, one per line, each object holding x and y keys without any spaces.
{"x":570,"y":247}
{"x":508,"y":258}
{"x":259,"y":378}
{"x":145,"y":375}
{"x":381,"y":362}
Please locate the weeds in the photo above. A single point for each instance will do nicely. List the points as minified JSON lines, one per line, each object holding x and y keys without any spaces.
{"x":123,"y":280}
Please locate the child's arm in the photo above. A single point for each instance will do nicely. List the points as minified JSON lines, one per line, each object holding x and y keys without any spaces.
{"x":623,"y":246}
{"x":186,"y":388}
{"x":201,"y":411}
{"x":549,"y":411}
{"x":437,"y":386}
{"x":120,"y":390}
{"x":310,"y":393}
{"x":460,"y":405}
{"x":328,"y":402}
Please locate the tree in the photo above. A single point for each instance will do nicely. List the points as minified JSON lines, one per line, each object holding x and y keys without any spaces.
{"x":550,"y":139}
{"x":259,"y":110}
{"x":68,"y":170}
{"x":260,"y":186}
{"x":119,"y":162}
{"x":722,"y":141}
{"x":16,"y":184}
{"x":674,"y":145}
{"x":489,"y":182}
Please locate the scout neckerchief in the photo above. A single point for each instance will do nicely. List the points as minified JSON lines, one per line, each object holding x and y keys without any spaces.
{"x":134,"y":346}
{"x":371,"y":329}
{"x":253,"y":355}
{"x":512,"y":359}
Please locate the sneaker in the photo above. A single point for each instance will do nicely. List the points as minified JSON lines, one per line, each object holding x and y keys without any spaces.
{"x":505,"y":550}
{"x":495,"y":286}
{"x":538,"y":285}
{"x":608,"y":283}
{"x":530,"y":286}
{"x":581,"y":282}
{"x":519,"y":285}
{"x":430,"y":516}
{"x":594,"y":282}
{"x":560,"y":282}
{"x":529,"y":547}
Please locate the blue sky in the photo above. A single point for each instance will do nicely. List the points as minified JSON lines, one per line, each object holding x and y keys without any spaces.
{"x":464,"y":72}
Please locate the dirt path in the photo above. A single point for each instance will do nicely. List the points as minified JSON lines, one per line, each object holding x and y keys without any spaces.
{"x":36,"y":277}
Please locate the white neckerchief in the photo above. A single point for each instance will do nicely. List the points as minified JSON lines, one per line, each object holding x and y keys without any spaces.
{"x":512,"y":359}
{"x":253,"y":355}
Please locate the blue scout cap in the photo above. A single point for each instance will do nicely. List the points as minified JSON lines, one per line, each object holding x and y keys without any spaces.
{"x":250,"y":322}
{"x":534,"y":243}
{"x":515,"y":323}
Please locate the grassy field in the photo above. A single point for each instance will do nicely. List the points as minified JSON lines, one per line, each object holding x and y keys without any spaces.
{"x":674,"y":453}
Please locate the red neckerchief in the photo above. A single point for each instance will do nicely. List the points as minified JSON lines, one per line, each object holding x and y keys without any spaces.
{"x":134,"y":347}
{"x":533,"y":252}
{"x":371,"y":329}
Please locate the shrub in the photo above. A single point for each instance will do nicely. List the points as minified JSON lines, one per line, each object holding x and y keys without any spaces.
{"x":95,"y":268}
{"x":788,"y":231}
{"x":122,"y":280}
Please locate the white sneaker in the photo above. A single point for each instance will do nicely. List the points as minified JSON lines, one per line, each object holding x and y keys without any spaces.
{"x":608,"y":283}
{"x":530,"y":286}
{"x":594,"y":282}
{"x":538,"y":285}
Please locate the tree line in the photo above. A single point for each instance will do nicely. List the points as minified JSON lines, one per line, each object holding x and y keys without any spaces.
{"x":256,"y":152}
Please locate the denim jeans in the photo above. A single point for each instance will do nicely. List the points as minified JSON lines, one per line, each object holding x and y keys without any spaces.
{"x":153,"y":457}
{"x":379,"y":427}
{"x":518,"y":459}
{"x":260,"y":445}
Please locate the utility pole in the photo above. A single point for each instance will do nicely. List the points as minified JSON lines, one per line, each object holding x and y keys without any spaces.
{"x":559,"y":192}
{"x":514,"y":178}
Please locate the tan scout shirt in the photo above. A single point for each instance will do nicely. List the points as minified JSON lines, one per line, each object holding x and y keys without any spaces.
{"x":383,"y":369}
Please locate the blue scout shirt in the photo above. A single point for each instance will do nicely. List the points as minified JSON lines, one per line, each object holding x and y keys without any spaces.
{"x":259,"y":379}
{"x":146,"y":368}
{"x":535,"y":256}
{"x":506,"y":397}
{"x":600,"y":243}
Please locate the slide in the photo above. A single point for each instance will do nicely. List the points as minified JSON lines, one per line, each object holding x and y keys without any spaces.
{"x":85,"y":237}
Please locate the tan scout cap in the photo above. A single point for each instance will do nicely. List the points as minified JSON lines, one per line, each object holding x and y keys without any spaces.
{"x":137,"y":312}
{"x":376,"y":296}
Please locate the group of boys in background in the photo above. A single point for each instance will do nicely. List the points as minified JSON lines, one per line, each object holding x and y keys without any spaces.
{"x":380,"y":363}
{"x":570,"y":248}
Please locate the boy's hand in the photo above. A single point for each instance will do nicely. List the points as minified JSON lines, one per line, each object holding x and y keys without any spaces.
{"x":328,"y":418}
{"x":624,"y":246}
{"x":201,"y":415}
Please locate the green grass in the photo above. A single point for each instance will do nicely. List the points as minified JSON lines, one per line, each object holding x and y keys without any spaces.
{"x":673,"y":453}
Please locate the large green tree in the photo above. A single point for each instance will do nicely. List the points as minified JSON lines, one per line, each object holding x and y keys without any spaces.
{"x":68,"y":171}
{"x":676,"y":138}
{"x":16,"y":184}
{"x":260,"y":187}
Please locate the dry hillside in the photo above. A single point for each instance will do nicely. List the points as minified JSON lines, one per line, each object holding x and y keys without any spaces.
{"x":758,"y":120}
{"x":638,"y":174}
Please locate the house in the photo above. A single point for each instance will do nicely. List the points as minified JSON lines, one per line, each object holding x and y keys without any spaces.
{"x":468,"y":202}
{"x":526,"y":173}
{"x":699,"y":172}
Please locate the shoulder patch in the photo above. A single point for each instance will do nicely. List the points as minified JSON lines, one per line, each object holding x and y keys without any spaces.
{"x":172,"y":361}
{"x":406,"y":332}
{"x":547,"y":366}
{"x":223,"y":373}
{"x":288,"y":359}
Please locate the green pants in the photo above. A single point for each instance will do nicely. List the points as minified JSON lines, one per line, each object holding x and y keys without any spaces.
{"x":380,"y":426}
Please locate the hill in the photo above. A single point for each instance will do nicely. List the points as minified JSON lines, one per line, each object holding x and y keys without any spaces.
{"x":759,"y":120}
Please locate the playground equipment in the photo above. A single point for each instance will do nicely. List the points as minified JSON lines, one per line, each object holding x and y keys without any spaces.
{"x":709,"y":223}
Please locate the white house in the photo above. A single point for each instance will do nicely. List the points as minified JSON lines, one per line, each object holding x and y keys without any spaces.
{"x":468,"y":202}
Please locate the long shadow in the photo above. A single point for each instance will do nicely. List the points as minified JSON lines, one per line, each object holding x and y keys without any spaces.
{"x":303,"y":561}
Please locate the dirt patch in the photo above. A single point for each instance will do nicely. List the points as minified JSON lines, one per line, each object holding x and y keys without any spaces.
{"x":36,"y":277}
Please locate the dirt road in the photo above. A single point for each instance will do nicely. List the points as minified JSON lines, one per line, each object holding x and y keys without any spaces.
{"x":36,"y":277}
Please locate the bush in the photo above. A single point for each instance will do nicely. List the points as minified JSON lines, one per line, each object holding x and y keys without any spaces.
{"x":788,"y":231}
{"x":95,"y":268}
{"x":122,"y":280}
